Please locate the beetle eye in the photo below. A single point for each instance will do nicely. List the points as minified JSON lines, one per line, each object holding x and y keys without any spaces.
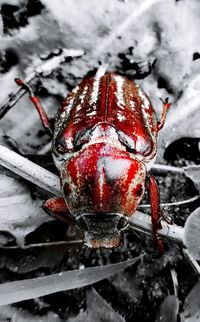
{"x":60,"y":145}
{"x":130,"y":150}
{"x":61,"y":149}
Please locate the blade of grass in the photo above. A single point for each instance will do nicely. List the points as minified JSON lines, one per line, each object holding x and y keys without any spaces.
{"x":17,"y":291}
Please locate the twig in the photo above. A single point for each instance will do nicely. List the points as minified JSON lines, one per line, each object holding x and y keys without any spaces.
{"x":29,"y":170}
{"x":69,"y":243}
{"x":166,"y":168}
{"x":177,"y":203}
{"x":50,"y":182}
{"x":142,"y":223}
{"x":46,"y":68}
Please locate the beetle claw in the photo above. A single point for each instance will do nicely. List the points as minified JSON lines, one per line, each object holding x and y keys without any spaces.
{"x":24,"y":85}
{"x":165,"y":101}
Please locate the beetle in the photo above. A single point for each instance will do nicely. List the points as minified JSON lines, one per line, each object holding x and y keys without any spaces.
{"x":103,"y":143}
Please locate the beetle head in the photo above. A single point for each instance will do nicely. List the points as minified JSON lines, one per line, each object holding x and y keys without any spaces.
{"x":102,"y":186}
{"x":102,"y":229}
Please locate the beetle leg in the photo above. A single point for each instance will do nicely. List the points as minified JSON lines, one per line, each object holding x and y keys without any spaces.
{"x":166,"y":106}
{"x":57,"y":208}
{"x":154,"y":199}
{"x":43,"y":116}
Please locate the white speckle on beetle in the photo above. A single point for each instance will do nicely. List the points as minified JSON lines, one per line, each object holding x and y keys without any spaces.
{"x":145,"y":101}
{"x":132,"y":104}
{"x":120,"y":117}
{"x":83,"y":94}
{"x":101,"y":180}
{"x":69,"y":143}
{"x":79,"y":107}
{"x":119,"y":92}
{"x":64,"y":115}
{"x":75,"y":90}
{"x":68,"y":107}
{"x":95,"y":90}
{"x":113,"y":167}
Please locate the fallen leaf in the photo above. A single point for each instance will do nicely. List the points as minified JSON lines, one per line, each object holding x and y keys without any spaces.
{"x":19,"y":214}
{"x":191,"y":236}
{"x":168,"y":310}
{"x":192,"y":304}
{"x":10,"y":313}
{"x":98,"y":310}
{"x":193,"y":172}
{"x":182,"y":119}
{"x":194,"y":318}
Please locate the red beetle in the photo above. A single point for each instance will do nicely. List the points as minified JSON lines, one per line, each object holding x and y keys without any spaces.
{"x":104,"y":140}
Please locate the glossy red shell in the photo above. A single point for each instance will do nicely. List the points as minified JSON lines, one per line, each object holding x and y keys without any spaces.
{"x":109,"y":99}
{"x":105,"y":132}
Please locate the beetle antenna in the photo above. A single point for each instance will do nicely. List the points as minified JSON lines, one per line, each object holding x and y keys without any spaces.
{"x":42,"y":114}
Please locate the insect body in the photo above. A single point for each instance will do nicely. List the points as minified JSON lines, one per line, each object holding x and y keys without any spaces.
{"x":104,"y":139}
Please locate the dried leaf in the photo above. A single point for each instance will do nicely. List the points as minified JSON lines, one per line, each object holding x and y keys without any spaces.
{"x":192,"y":305}
{"x":191,"y":235}
{"x":168,"y":310}
{"x":104,"y":27}
{"x":34,"y":257}
{"x":31,"y":288}
{"x":193,"y":172}
{"x":82,"y":316}
{"x":98,"y":310}
{"x":182,"y":120}
{"x":19,"y":214}
{"x":194,"y":318}
{"x":10,"y":313}
{"x":128,"y":285}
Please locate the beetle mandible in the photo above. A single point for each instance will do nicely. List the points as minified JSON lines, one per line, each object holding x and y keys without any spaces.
{"x":103,"y":142}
